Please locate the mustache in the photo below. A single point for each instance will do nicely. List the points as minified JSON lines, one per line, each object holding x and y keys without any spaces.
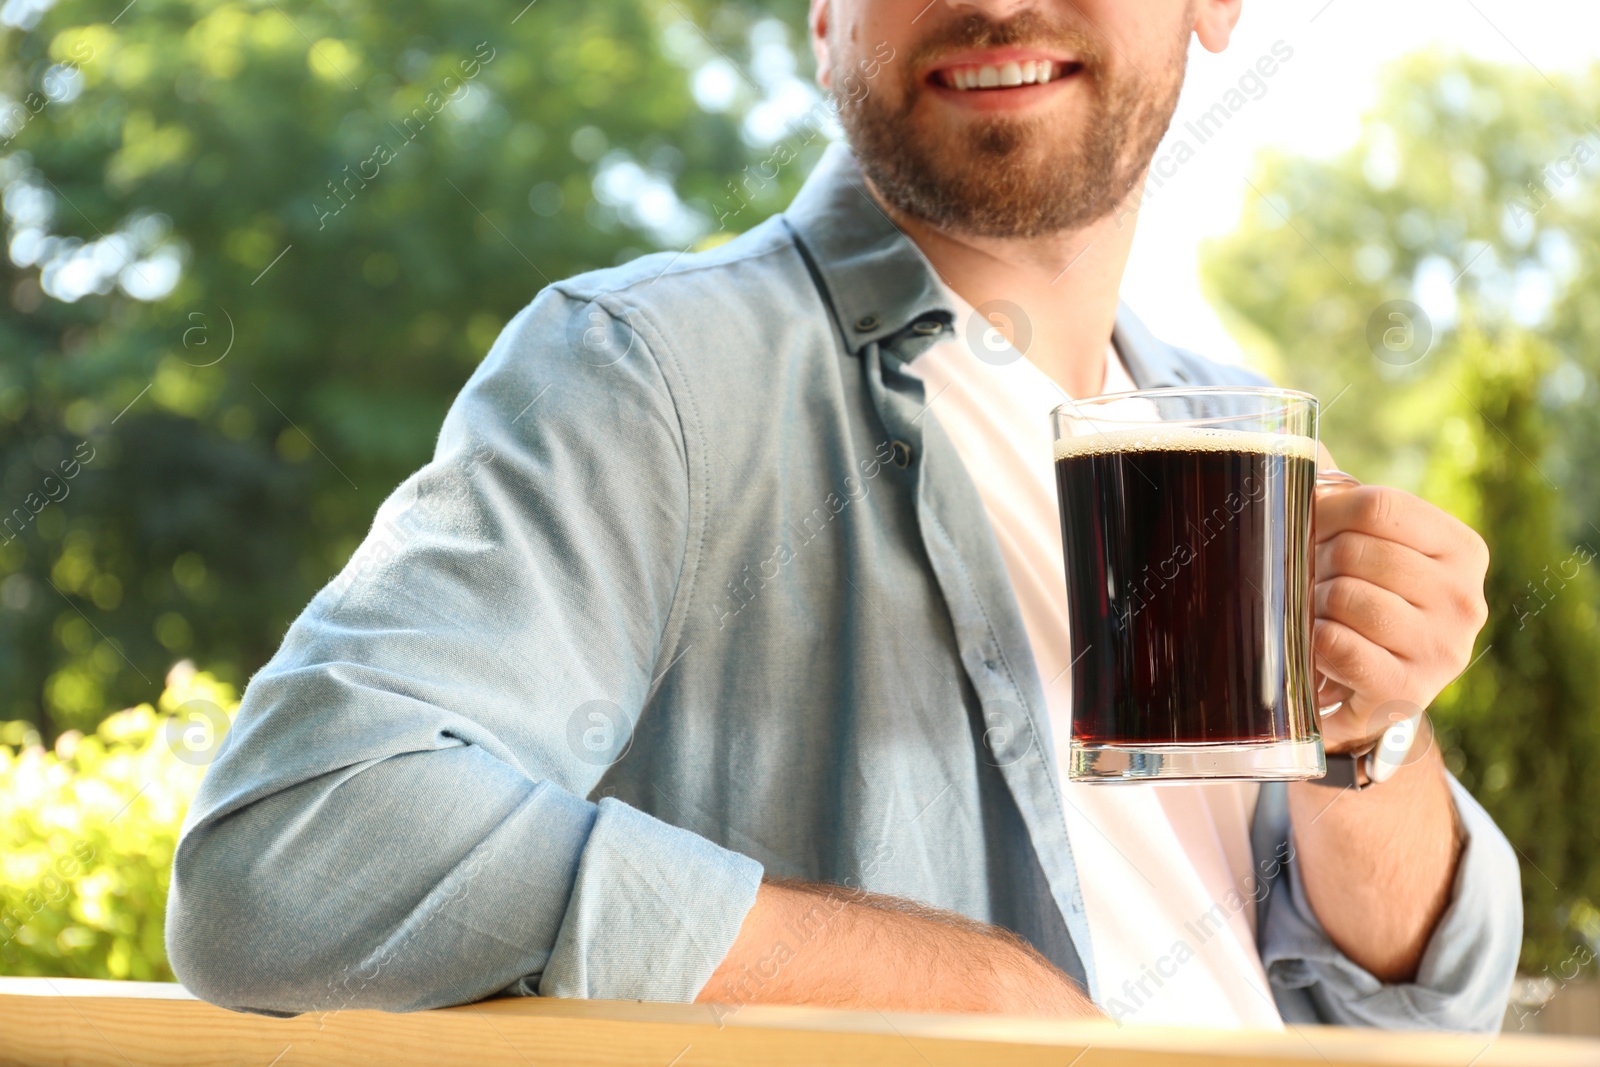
{"x":1028,"y":28}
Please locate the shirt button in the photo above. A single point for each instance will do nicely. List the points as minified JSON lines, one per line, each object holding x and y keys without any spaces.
{"x":927,"y":327}
{"x":900,"y":454}
{"x":867,"y":322}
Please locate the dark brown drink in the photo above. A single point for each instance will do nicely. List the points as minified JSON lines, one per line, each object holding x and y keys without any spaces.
{"x":1186,"y":560}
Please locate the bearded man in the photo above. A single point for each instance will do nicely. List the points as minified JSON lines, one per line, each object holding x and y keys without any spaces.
{"x":718,"y":654}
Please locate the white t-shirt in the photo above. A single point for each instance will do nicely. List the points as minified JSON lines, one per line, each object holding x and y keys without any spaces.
{"x":1166,"y":871}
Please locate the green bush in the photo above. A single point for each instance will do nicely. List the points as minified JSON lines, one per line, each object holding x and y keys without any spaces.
{"x":89,"y":831}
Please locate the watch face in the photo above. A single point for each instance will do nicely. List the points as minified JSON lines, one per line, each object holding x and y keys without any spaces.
{"x":1393,"y":747}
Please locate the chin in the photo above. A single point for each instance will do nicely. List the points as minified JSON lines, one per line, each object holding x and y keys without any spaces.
{"x":1034,"y":138}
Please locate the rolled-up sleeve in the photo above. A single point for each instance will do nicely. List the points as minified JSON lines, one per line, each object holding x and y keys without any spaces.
{"x":1464,"y":978}
{"x":400,"y":817}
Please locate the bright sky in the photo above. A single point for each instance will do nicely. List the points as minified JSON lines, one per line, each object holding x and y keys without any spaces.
{"x":1313,"y":105}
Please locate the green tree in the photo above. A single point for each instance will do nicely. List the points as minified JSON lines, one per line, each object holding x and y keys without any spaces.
{"x":1522,"y":727}
{"x":256,"y":247}
{"x":1474,"y":194}
{"x":1474,"y":191}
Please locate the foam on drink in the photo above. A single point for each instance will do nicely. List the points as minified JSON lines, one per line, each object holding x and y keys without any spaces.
{"x":1185,"y":439}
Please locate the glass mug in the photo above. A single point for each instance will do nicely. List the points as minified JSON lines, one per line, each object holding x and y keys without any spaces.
{"x":1186,"y":525}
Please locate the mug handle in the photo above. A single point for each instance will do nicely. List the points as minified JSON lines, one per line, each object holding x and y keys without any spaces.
{"x":1331,"y":480}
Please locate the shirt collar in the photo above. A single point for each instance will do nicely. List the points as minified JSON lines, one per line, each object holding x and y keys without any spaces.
{"x":876,"y":278}
{"x":879,"y":283}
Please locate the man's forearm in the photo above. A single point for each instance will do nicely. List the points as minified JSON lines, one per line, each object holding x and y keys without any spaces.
{"x":807,"y":943}
{"x":1378,"y":864}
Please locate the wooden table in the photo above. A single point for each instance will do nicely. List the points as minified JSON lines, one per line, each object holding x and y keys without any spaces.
{"x":60,"y":1021}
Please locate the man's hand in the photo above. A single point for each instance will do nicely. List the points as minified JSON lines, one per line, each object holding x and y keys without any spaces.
{"x":1398,"y":602}
{"x":826,"y":945}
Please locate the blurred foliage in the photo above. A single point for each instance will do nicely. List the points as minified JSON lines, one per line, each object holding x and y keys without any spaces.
{"x":1440,"y":185}
{"x":255,"y":250}
{"x":1474,"y":192}
{"x":1525,"y":720}
{"x":89,"y":829}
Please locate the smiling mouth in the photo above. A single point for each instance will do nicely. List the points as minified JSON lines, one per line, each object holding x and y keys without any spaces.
{"x":969,"y":77}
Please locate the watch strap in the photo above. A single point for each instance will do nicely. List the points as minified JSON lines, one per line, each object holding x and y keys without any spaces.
{"x":1377,"y":759}
{"x":1345,"y":771}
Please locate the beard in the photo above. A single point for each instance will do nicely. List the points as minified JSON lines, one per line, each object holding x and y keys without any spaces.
{"x":1009,"y":176}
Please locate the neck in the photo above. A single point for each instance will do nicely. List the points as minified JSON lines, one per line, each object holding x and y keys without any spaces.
{"x":1065,"y":284}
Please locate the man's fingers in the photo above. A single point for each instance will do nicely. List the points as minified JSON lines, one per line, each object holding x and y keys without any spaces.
{"x":1353,"y":660}
{"x":1394,"y":566}
{"x":1398,"y":599}
{"x":1398,"y":516}
{"x":1381,"y":616}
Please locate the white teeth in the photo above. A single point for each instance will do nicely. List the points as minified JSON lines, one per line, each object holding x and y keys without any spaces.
{"x":1012,"y":73}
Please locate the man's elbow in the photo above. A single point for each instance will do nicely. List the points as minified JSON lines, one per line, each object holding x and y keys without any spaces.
{"x":261,"y":919}
{"x":231,"y":937}
{"x":251,"y":931}
{"x":327,"y":895}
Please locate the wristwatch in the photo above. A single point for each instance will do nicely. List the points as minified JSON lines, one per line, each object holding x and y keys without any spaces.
{"x":1374,"y":761}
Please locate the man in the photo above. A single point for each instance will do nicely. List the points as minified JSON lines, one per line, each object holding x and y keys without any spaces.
{"x":709,"y":659}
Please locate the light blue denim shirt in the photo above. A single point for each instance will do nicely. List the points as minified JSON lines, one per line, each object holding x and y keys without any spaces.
{"x":694,"y":588}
